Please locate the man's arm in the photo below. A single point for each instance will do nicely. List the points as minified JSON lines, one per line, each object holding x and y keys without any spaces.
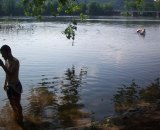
{"x":5,"y":82}
{"x":4,"y":67}
{"x":12,"y":70}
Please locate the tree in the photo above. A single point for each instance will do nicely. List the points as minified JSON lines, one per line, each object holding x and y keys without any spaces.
{"x":8,"y":6}
{"x":128,"y":6}
{"x":157,"y":4}
{"x":134,"y":5}
{"x":107,"y":7}
{"x":0,"y":7}
{"x":149,"y":5}
{"x":83,"y":8}
{"x":94,"y":8}
{"x":37,"y":8}
{"x":140,"y":5}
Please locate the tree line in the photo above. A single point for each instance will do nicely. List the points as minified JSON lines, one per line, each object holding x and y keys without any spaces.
{"x":15,"y":8}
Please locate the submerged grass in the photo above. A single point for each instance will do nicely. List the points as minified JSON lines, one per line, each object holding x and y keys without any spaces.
{"x":128,"y":96}
{"x":125,"y":98}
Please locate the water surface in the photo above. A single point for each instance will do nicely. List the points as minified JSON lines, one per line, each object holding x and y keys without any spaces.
{"x":69,"y":84}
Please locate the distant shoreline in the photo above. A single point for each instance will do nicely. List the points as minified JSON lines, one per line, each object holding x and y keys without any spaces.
{"x":69,"y":18}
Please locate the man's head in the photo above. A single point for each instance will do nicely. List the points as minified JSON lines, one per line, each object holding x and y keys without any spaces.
{"x":6,"y":52}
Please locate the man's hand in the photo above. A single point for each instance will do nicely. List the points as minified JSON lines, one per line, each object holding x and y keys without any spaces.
{"x":1,"y":63}
{"x":5,"y":87}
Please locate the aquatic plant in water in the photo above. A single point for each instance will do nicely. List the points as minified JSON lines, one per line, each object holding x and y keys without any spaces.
{"x":129,"y":96}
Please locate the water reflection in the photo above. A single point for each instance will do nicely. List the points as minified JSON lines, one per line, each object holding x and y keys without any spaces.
{"x":16,"y":27}
{"x":69,"y":107}
{"x":7,"y":119}
{"x":59,"y":107}
{"x":40,"y":99}
{"x":135,"y":96}
{"x":111,"y":62}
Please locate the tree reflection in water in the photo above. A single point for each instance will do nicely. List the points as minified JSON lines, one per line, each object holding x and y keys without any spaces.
{"x":69,"y":107}
{"x":61,"y":108}
{"x":7,"y":121}
{"x":40,"y":100}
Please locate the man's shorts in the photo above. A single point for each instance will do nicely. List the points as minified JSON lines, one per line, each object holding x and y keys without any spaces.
{"x":12,"y":92}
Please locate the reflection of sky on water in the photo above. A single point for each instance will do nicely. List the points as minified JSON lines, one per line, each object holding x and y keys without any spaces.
{"x":113,"y":54}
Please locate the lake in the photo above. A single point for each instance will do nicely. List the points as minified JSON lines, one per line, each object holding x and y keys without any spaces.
{"x":71,"y":83}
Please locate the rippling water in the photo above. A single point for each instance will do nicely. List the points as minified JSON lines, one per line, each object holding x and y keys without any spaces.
{"x":69,"y":84}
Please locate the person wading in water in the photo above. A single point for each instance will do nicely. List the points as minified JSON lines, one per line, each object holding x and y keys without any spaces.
{"x":12,"y":84}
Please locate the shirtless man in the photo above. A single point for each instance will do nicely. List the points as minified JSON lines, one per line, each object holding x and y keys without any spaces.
{"x":12,"y":83}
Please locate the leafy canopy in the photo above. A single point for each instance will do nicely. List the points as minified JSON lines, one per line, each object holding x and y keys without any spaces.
{"x":37,"y":8}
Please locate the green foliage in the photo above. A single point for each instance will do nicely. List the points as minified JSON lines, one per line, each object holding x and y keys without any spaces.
{"x":149,"y":6}
{"x":39,"y":8}
{"x":70,"y":30}
{"x":125,"y":13}
{"x":94,"y":8}
{"x":8,"y":6}
{"x":157,"y":4}
{"x":139,"y":5}
{"x":83,"y":17}
{"x":107,"y":7}
{"x":128,"y":96}
{"x":36,"y":8}
{"x":126,"y":5}
{"x":83,"y":8}
{"x":152,"y":92}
